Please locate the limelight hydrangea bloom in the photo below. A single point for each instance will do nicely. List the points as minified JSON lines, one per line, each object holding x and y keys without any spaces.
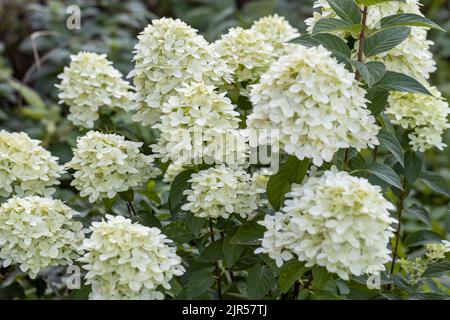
{"x":199,"y":124}
{"x":221,"y":191}
{"x":247,"y":52}
{"x":336,"y":221}
{"x":169,"y":53}
{"x":315,"y":103}
{"x":37,"y":233}
{"x":276,"y":30}
{"x":106,"y":164}
{"x":89,"y":83}
{"x":126,"y":260}
{"x":425,"y":115}
{"x":412,"y":56}
{"x":26,"y":168}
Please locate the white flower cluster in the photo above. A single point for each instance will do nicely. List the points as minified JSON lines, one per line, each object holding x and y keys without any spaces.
{"x":425,"y":115}
{"x":106,"y":164}
{"x":37,"y":233}
{"x":336,"y":221}
{"x":315,"y":103}
{"x":89,"y":83}
{"x":221,"y":191}
{"x":168,"y":54}
{"x":412,"y":56}
{"x":26,"y":168}
{"x":199,"y":124}
{"x":126,"y":260}
{"x":250,"y":52}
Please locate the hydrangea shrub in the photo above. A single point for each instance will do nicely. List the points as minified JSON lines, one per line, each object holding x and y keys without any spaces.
{"x":180,"y":207}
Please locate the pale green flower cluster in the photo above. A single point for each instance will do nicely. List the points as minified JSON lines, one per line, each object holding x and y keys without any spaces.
{"x":89,"y":84}
{"x":221,"y":191}
{"x":336,"y":221}
{"x":315,"y":103}
{"x":26,"y":168}
{"x":37,"y":233}
{"x":250,"y":52}
{"x":168,"y":54}
{"x":412,"y":56}
{"x":126,"y":260}
{"x":198,"y":124}
{"x":106,"y":164}
{"x":425,"y":115}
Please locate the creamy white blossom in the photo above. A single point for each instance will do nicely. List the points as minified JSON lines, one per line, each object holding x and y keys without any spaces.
{"x":26,"y":168}
{"x":335,"y":221}
{"x":106,"y":164}
{"x":315,"y":103}
{"x":90,"y":83}
{"x":128,"y":261}
{"x":37,"y":233}
{"x":425,"y":115}
{"x":169,"y":53}
{"x":276,"y":29}
{"x":198,"y":124}
{"x":412,"y":56}
{"x":221,"y":191}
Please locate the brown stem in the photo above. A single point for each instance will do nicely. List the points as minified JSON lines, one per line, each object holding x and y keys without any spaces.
{"x":362,"y":38}
{"x":131,"y":208}
{"x":296,"y":290}
{"x":375,"y":153}
{"x":397,"y":232}
{"x":219,"y":282}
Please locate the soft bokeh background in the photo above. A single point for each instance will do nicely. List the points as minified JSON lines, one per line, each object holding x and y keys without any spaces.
{"x":35,"y":44}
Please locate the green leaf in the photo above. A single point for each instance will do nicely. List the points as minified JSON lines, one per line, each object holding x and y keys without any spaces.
{"x":231,"y":252}
{"x":413,"y":166}
{"x":292,"y":171}
{"x":408,"y":20}
{"x":436,"y":182}
{"x":437,"y":269}
{"x":178,"y":232}
{"x":147,"y":219}
{"x":394,"y":81}
{"x":371,"y":72}
{"x":373,"y":2}
{"x":378,"y":101}
{"x":347,"y":10}
{"x":179,"y":185}
{"x":260,"y":281}
{"x":30,"y":96}
{"x":320,"y":277}
{"x":151,"y":195}
{"x":213,"y":252}
{"x":248,"y":234}
{"x":419,"y":213}
{"x":331,"y":42}
{"x":290,"y":272}
{"x":386,"y":174}
{"x":333,"y":24}
{"x":384,"y":40}
{"x":199,"y":282}
{"x":127,"y":195}
{"x":195,"y":224}
{"x":422,"y":237}
{"x":391,"y":143}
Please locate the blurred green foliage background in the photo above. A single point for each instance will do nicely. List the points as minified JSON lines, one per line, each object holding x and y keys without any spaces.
{"x":35,"y":45}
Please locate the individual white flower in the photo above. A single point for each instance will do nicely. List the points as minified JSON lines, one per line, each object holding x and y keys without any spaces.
{"x":425,"y":115}
{"x":90,"y":83}
{"x":278,"y":238}
{"x":277,"y":30}
{"x":221,"y":191}
{"x":412,"y":56}
{"x":37,"y":233}
{"x":169,"y":53}
{"x":247,"y":52}
{"x":128,"y":261}
{"x":316,"y":105}
{"x":198,"y":124}
{"x":336,"y":221}
{"x":26,"y":168}
{"x":106,"y":164}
